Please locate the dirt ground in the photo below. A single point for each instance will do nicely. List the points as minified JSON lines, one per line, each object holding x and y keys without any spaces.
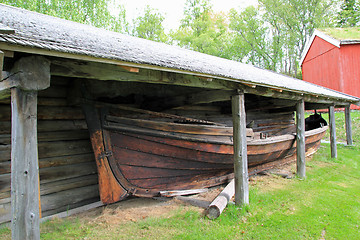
{"x":134,"y":209}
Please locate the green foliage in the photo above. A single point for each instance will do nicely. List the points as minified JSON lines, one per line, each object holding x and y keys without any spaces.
{"x":149,"y":25}
{"x":349,"y":15}
{"x":274,"y":34}
{"x":92,"y":12}
{"x":203,"y":30}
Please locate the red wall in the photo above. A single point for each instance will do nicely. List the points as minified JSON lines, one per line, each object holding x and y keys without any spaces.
{"x":333,"y":67}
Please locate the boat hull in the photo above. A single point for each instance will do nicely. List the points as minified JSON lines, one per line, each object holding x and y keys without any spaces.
{"x":143,"y":163}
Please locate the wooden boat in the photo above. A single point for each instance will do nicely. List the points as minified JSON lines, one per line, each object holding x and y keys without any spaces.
{"x":143,"y":154}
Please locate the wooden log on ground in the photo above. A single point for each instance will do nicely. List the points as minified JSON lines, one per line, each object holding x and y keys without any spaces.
{"x":218,"y":205}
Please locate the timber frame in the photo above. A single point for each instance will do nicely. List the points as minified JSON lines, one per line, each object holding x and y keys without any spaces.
{"x":27,"y":64}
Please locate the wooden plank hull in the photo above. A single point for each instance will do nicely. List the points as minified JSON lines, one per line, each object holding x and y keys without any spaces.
{"x":143,"y":163}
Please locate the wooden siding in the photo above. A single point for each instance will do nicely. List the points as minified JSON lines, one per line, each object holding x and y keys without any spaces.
{"x":68,"y":175}
{"x":321,"y":64}
{"x":333,"y":67}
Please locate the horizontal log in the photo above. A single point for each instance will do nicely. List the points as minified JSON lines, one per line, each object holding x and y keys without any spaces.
{"x":49,"y":125}
{"x":53,"y":174}
{"x":65,"y":198}
{"x":54,"y":92}
{"x":53,"y":149}
{"x":59,"y":81}
{"x":5,"y":139}
{"x":47,"y":113}
{"x":5,"y":167}
{"x":69,"y":207}
{"x":67,"y":184}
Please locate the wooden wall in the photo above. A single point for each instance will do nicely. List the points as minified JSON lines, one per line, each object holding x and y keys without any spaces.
{"x":68,"y":175}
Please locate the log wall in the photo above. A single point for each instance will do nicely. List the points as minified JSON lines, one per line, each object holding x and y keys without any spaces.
{"x":68,"y":175}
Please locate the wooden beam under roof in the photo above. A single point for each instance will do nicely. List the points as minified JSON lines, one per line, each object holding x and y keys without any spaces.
{"x":104,"y":71}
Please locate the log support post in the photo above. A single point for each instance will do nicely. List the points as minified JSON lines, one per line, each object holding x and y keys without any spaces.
{"x":240,"y":150}
{"x":2,"y":55}
{"x":300,"y":139}
{"x":30,"y":75}
{"x":332,"y":132}
{"x":349,"y":139}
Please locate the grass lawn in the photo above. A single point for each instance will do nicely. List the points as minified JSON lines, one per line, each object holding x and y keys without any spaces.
{"x":324,"y":206}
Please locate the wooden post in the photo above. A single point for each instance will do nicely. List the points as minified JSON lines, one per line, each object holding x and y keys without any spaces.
{"x":33,"y":73}
{"x":332,"y":132}
{"x":349,"y":139}
{"x":240,"y":150}
{"x":300,"y":139}
{"x":1,"y":63}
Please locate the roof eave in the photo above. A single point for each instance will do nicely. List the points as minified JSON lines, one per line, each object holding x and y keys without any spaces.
{"x":321,"y":35}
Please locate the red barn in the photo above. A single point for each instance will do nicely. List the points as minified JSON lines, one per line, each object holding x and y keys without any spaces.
{"x":332,"y":59}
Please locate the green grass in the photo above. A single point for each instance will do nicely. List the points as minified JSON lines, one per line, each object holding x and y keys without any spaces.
{"x":351,"y":33}
{"x":324,"y":206}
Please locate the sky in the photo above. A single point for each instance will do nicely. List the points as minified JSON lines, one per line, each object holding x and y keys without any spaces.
{"x":173,"y":10}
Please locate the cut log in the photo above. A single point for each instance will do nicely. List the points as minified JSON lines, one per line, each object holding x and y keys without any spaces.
{"x":218,"y":205}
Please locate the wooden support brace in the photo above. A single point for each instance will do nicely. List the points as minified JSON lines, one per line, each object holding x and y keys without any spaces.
{"x":349,"y":139}
{"x":240,"y":150}
{"x":300,"y":139}
{"x":33,"y":74}
{"x":332,"y":132}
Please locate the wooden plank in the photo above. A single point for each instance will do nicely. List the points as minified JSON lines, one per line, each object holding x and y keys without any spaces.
{"x":217,"y":206}
{"x":49,"y":125}
{"x":5,"y":167}
{"x":173,"y":193}
{"x":24,"y":171}
{"x":349,"y":139}
{"x":240,"y":150}
{"x":332,"y":132}
{"x":73,"y":211}
{"x":300,"y":139}
{"x":191,"y":99}
{"x":48,"y":113}
{"x":54,"y":149}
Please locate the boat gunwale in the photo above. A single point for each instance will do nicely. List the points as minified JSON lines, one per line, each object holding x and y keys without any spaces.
{"x":193,"y":137}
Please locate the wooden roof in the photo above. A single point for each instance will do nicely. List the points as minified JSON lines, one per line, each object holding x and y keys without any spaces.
{"x":46,"y":35}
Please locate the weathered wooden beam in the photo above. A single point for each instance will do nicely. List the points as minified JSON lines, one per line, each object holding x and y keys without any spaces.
{"x":300,"y":139}
{"x":349,"y":139}
{"x":24,"y":166}
{"x":33,"y":73}
{"x":2,"y":55}
{"x":240,"y":150}
{"x":332,"y":132}
{"x":217,"y":206}
{"x":191,"y":99}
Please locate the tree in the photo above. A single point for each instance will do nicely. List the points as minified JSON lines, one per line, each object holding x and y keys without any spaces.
{"x":92,"y":12}
{"x":203,"y":30}
{"x":349,"y":15}
{"x":279,"y":31}
{"x":149,"y":26}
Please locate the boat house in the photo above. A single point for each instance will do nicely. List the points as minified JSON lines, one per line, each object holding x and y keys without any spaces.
{"x":331,"y":59}
{"x":51,"y":68}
